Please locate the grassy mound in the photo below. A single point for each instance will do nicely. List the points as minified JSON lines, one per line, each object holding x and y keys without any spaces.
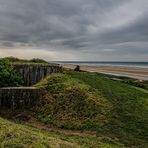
{"x":82,"y":100}
{"x":69,"y":103}
{"x":22,"y":136}
{"x":128,"y":119}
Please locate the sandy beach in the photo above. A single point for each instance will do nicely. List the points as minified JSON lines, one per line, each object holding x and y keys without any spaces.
{"x":132,"y":72}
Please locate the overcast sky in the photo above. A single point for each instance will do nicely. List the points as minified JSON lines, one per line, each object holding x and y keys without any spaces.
{"x":110,"y":30}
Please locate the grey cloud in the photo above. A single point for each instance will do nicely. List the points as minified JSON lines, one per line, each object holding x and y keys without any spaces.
{"x":136,"y":31}
{"x":76,"y":25}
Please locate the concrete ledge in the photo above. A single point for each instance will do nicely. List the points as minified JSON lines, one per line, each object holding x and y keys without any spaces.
{"x":18,"y":97}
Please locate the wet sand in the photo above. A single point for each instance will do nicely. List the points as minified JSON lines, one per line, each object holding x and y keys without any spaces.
{"x":132,"y":72}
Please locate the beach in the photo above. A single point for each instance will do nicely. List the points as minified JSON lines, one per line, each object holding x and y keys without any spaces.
{"x":132,"y":72}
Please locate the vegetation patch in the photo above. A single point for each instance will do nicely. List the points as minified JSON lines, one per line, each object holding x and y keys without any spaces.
{"x":115,"y":110}
{"x":134,"y":82}
{"x":16,"y":135}
{"x":82,"y":100}
{"x":8,"y":76}
{"x":128,"y":119}
{"x":15,"y":60}
{"x":69,"y":103}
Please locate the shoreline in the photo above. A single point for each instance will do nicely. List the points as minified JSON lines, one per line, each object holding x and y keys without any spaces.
{"x":131,"y":72}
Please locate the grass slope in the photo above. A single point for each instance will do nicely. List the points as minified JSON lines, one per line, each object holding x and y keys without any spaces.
{"x":13,"y":135}
{"x":71,"y":104}
{"x":82,"y":100}
{"x":114,"y":114}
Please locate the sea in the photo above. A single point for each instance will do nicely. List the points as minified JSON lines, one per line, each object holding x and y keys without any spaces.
{"x":106,"y":63}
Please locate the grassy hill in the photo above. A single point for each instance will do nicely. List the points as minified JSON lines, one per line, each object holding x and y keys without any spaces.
{"x":14,"y":135}
{"x":112,"y":112}
{"x":70,"y":103}
{"x":82,"y":100}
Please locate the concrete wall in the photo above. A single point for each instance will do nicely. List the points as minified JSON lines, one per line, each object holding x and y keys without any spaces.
{"x":26,"y":97}
{"x":33,"y":73}
{"x":18,"y":97}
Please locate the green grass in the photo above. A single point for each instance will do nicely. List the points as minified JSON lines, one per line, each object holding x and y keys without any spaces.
{"x":115,"y":112}
{"x":15,"y":60}
{"x":82,"y":100}
{"x":69,"y":103}
{"x":128,"y":119}
{"x":14,"y":135}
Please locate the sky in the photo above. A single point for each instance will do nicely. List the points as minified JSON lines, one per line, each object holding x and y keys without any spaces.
{"x":75,"y":30}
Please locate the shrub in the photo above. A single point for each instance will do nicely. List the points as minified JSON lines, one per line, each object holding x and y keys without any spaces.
{"x":38,"y":61}
{"x":8,"y":76}
{"x":77,"y":68}
{"x":17,"y":60}
{"x":11,"y":59}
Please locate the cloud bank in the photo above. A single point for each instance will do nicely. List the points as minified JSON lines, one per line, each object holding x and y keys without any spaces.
{"x":75,"y":29}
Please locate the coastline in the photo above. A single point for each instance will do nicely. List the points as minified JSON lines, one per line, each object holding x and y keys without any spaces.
{"x":131,"y":72}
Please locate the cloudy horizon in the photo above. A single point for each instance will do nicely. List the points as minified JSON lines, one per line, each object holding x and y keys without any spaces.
{"x":84,"y":30}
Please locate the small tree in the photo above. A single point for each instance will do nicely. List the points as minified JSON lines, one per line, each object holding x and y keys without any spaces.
{"x":8,"y":76}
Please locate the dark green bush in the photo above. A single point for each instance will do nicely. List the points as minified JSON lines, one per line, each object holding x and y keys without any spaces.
{"x":8,"y":76}
{"x":17,"y":60}
{"x":12,"y":59}
{"x":77,"y":68}
{"x":36,"y":60}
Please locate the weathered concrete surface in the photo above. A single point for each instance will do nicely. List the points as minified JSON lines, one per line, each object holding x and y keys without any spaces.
{"x":33,"y":73}
{"x":18,"y":97}
{"x":26,"y":97}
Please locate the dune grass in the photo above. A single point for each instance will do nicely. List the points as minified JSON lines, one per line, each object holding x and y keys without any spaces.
{"x":69,"y":103}
{"x":114,"y":113}
{"x":15,"y":60}
{"x":82,"y":100}
{"x":128,"y":119}
{"x":14,"y":135}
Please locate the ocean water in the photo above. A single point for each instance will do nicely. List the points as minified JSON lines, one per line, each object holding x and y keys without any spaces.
{"x":104,"y":63}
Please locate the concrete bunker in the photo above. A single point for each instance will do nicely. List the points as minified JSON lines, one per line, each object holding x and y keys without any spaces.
{"x":27,"y":96}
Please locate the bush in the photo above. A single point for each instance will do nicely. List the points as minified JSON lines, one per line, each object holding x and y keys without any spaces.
{"x":38,"y":61}
{"x":8,"y":76}
{"x":77,"y":68}
{"x":17,"y":60}
{"x":12,"y":59}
